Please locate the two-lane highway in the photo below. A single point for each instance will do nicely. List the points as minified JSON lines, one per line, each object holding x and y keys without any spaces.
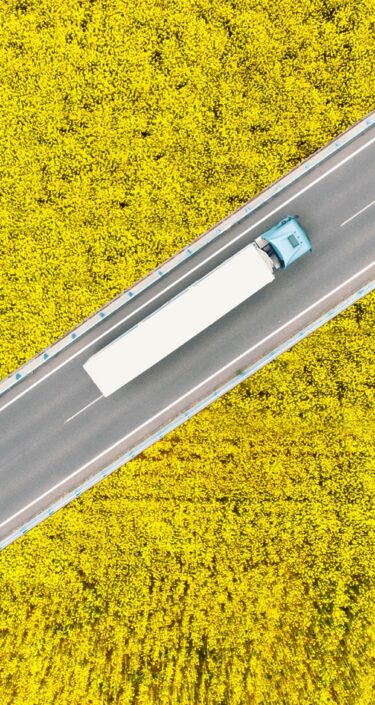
{"x":56,"y":428}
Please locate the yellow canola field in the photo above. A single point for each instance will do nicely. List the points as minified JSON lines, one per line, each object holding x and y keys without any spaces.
{"x":232,"y":563}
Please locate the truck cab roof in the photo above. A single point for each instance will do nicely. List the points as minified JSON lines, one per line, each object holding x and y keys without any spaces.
{"x":288,"y":239}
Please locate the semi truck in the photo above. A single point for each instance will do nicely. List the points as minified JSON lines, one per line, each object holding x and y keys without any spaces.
{"x":198,"y":306}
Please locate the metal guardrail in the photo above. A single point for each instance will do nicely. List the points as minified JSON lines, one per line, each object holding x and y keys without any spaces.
{"x":240,"y":377}
{"x":67,"y":339}
{"x":116,"y":303}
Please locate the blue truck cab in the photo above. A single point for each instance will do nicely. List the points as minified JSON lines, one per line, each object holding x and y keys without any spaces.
{"x":287,"y":239}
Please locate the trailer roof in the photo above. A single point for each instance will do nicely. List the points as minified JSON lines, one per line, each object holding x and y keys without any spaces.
{"x":179,"y":320}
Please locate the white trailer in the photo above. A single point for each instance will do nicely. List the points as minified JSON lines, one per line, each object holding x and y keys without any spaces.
{"x":197,"y":306}
{"x":180,"y":319}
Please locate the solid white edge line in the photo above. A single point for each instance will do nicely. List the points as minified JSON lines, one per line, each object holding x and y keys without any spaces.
{"x":83,"y":409}
{"x":358,"y":213}
{"x":238,"y":237}
{"x":201,"y":384}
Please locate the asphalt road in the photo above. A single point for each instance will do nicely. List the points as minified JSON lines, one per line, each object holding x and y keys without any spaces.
{"x":56,"y":431}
